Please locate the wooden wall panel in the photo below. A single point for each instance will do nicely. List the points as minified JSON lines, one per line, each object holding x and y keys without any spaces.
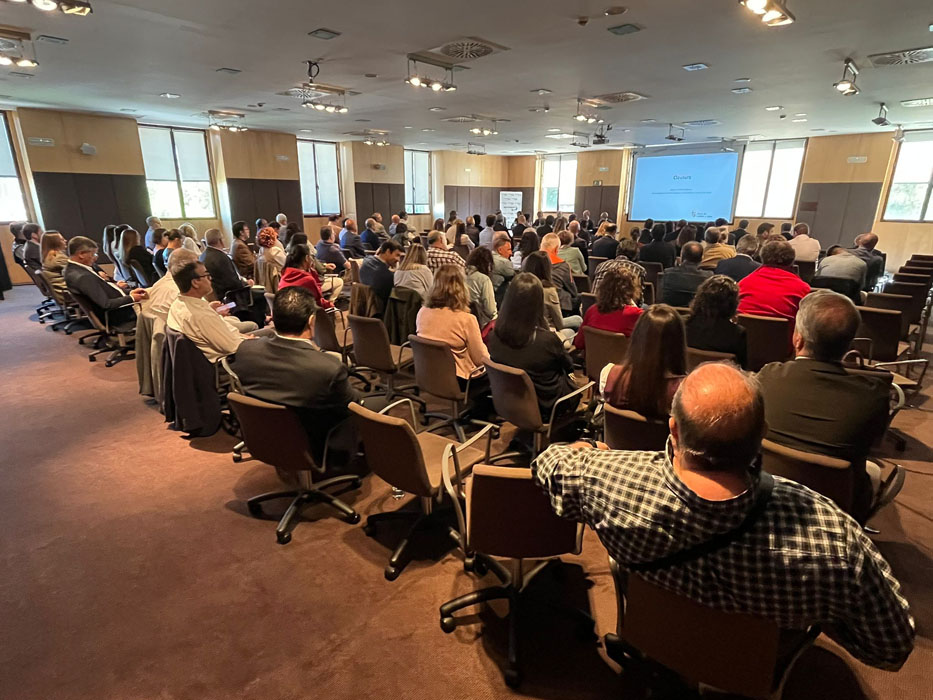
{"x":365,"y":157}
{"x":590,"y":162}
{"x":258,"y":155}
{"x":521,"y":171}
{"x":457,"y":168}
{"x":116,"y":140}
{"x":826,"y":159}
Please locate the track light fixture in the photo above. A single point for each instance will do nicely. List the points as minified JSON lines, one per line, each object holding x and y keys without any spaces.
{"x":415,"y":80}
{"x":847,"y":85}
{"x":80,"y":8}
{"x":226,"y":121}
{"x":882,"y":118}
{"x":485,"y":130}
{"x":773,"y":13}
{"x":898,"y":135}
{"x":375,"y":141}
{"x":325,"y":107}
{"x":583,"y":114}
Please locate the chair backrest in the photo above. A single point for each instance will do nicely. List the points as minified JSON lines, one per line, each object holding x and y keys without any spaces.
{"x":917,"y":256}
{"x":40,"y":282}
{"x":594,"y":262}
{"x":392,"y":451}
{"x":273,"y":434}
{"x":925,"y":280}
{"x":806,"y":269}
{"x":768,"y":339}
{"x":87,"y":307}
{"x":141,"y":275}
{"x":354,"y":270}
{"x":652,"y":270}
{"x":514,"y":396}
{"x":371,"y":345}
{"x":462,"y":250}
{"x":582,"y":283}
{"x":586,"y":301}
{"x":325,"y":332}
{"x":695,"y":357}
{"x":917,"y":292}
{"x":603,"y":348}
{"x":883,"y":327}
{"x":826,"y":475}
{"x":733,"y":652}
{"x":59,"y":297}
{"x":647,"y":292}
{"x":845,"y":287}
{"x":508,"y":515}
{"x":270,"y":300}
{"x":917,"y":269}
{"x":894,"y":302}
{"x":628,"y":430}
{"x":435,"y":368}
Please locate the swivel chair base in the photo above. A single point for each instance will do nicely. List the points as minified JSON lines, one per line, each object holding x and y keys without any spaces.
{"x":422,"y":521}
{"x":301,"y":498}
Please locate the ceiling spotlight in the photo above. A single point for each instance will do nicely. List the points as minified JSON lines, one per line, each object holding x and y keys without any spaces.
{"x":756,"y":6}
{"x":413,"y":80}
{"x":215,"y":127}
{"x":773,"y":108}
{"x":170,"y":95}
{"x":773,"y":13}
{"x":5,"y":60}
{"x":26,"y":62}
{"x":330,"y":108}
{"x":45,"y":5}
{"x":436,"y":86}
{"x":847,"y":85}
{"x":882,"y":118}
{"x":583,"y":115}
{"x":81,"y":8}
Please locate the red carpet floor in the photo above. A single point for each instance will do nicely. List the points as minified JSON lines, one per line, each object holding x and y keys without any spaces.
{"x":131,"y":570}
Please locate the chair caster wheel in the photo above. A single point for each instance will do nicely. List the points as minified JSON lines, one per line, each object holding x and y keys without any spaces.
{"x":448,"y":624}
{"x":68,"y":332}
{"x":254,"y":509}
{"x":480,"y":567}
{"x":391,"y":573}
{"x":425,"y":420}
{"x":513,"y":678}
{"x":357,"y":483}
{"x":92,"y":359}
{"x":353,"y":519}
{"x":369,"y":530}
{"x":469,"y":564}
{"x":109,"y":363}
{"x":283,"y":537}
{"x":238,"y":458}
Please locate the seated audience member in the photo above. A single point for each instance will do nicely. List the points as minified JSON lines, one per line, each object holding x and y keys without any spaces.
{"x":562,"y":276}
{"x":806,"y":248}
{"x":438,"y":225}
{"x":299,"y":238}
{"x":369,"y":238}
{"x":711,"y":324}
{"x":626,"y":252}
{"x":473,"y":228}
{"x":657,"y":251}
{"x":189,"y":237}
{"x":615,"y":309}
{"x":351,"y":241}
{"x":672,"y":236}
{"x":813,"y":404}
{"x":520,"y":340}
{"x":291,"y":230}
{"x":438,"y":253}
{"x":744,"y":263}
{"x":32,"y":250}
{"x":681,"y":283}
{"x":488,"y":233}
{"x":261,"y":224}
{"x":195,"y":318}
{"x":715,"y":250}
{"x":865,"y":250}
{"x":502,"y":269}
{"x":644,"y":236}
{"x":765,"y":229}
{"x":224,"y":276}
{"x":446,"y":318}
{"x":586,"y":222}
{"x":403,"y":236}
{"x":328,"y":252}
{"x":840,"y":263}
{"x":773,"y":289}
{"x":546,"y":226}
{"x":393,"y":222}
{"x":518,"y":228}
{"x":539,"y":264}
{"x":580,"y":241}
{"x":801,"y":562}
{"x":605,"y":243}
{"x":451,"y":217}
{"x":655,"y":365}
{"x":272,"y":254}
{"x":19,"y":242}
{"x":107,"y":299}
{"x":528,"y":244}
{"x":281,"y":220}
{"x":165,"y":291}
{"x":500,"y":226}
{"x":131,"y":248}
{"x":740,"y":232}
{"x":570,"y":254}
{"x":460,"y":236}
{"x":687,"y":235}
{"x":378,"y":227}
{"x":286,"y":369}
{"x":54,"y":259}
{"x":376,"y":271}
{"x":785,"y":231}
{"x":413,"y":272}
{"x":172,"y":241}
{"x":152,"y":224}
{"x":479,"y":284}
{"x":243,"y":258}
{"x":298,"y":272}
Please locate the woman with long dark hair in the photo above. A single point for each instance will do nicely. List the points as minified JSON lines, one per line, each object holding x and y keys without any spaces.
{"x":299,"y":272}
{"x":479,"y":282}
{"x":656,"y":364}
{"x":528,"y":244}
{"x":711,"y":324}
{"x":539,"y":264}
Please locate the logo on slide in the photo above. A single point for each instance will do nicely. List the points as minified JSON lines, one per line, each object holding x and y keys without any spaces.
{"x":683,"y":177}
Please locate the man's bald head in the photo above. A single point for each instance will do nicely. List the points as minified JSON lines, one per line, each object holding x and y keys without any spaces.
{"x":825,"y":326}
{"x":867,"y":240}
{"x":718,"y":419}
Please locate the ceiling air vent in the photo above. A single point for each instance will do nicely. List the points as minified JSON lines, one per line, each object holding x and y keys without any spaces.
{"x":618,"y":98}
{"x":462,"y":119}
{"x":903,"y":58}
{"x":468,"y":49}
{"x":702,"y":122}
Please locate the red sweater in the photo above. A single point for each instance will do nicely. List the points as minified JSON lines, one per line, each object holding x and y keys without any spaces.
{"x":293,"y":277}
{"x":771,"y":291}
{"x":621,"y":321}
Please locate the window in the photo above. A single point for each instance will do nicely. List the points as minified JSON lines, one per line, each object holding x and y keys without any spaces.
{"x":769,"y":179}
{"x":320,"y":179}
{"x":558,"y":183}
{"x":417,"y":182}
{"x":12,"y":204}
{"x":909,"y":196}
{"x":178,"y":176}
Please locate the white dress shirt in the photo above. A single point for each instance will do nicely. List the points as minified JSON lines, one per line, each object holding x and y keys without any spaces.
{"x":204,"y":327}
{"x":806,"y":249}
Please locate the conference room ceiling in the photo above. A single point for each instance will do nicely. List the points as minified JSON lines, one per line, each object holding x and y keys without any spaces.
{"x":121,"y":58}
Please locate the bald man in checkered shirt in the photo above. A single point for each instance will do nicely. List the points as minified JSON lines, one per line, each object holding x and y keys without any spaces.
{"x":802,"y":561}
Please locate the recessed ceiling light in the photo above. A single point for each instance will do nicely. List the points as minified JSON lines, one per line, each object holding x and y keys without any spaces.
{"x":695,"y":66}
{"x":799,"y":121}
{"x":743,"y":80}
{"x":408,"y":127}
{"x":541,"y":91}
{"x":624,"y":29}
{"x":553,"y":129}
{"x":741,"y":90}
{"x":370,"y":75}
{"x":620,"y":10}
{"x":773,"y":108}
{"x":437,"y":109}
{"x":426,"y":130}
{"x":800,"y":114}
{"x":170,"y":95}
{"x":324,"y":33}
{"x":648,"y":121}
{"x":305,"y":131}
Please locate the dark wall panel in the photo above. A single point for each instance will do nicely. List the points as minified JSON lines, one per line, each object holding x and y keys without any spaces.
{"x":252,"y":198}
{"x":242,"y":201}
{"x":132,"y":200}
{"x":382,"y":202}
{"x":609,"y":202}
{"x":289,"y":196}
{"x":61,"y":208}
{"x":98,"y":202}
{"x":396,"y":197}
{"x":364,"y":197}
{"x":838,"y":211}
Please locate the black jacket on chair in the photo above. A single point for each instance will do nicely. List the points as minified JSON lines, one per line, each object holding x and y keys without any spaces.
{"x":738,"y":268}
{"x":224,"y":275}
{"x":659,"y":252}
{"x":680,"y":284}
{"x":107,"y":299}
{"x":32,"y":255}
{"x":189,"y":397}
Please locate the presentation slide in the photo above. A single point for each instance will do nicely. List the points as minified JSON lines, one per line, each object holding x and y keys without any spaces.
{"x":693,"y":187}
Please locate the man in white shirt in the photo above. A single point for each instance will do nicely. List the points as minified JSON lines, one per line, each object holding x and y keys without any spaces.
{"x":488,"y":233}
{"x":191,"y":315}
{"x":806,"y":249}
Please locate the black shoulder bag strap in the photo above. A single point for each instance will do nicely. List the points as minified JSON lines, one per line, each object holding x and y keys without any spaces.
{"x":717,"y":542}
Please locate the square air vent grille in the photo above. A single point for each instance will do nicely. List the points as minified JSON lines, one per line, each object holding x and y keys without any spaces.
{"x":903,"y":58}
{"x":702,"y":122}
{"x":468,"y":49}
{"x":618,"y":98}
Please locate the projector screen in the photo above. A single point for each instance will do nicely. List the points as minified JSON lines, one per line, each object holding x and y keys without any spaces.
{"x":690,"y":186}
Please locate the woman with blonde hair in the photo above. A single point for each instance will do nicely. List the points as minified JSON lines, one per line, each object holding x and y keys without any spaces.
{"x":446,"y":318}
{"x":54,"y":258}
{"x":130,"y":248}
{"x":189,"y":239}
{"x":413,"y":272}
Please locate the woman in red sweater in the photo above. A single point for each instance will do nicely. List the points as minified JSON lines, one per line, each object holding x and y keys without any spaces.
{"x":298,"y":272}
{"x":615,"y":309}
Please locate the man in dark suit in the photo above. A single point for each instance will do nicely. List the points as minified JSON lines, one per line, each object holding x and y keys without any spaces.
{"x":813,"y":404}
{"x":658,"y":251}
{"x":369,"y":238}
{"x":680,"y":283}
{"x":287,"y":369}
{"x":225,"y":278}
{"x":108,"y":299}
{"x":743,"y":264}
{"x":32,"y":251}
{"x":740,"y":231}
{"x":350,"y":239}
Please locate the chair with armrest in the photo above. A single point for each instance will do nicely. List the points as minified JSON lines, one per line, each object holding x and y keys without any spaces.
{"x":894,"y":302}
{"x":582,"y":283}
{"x":516,"y":401}
{"x":326,"y":338}
{"x":735,"y":653}
{"x":925,"y":280}
{"x":653,"y":270}
{"x":628,"y":430}
{"x":462,"y":250}
{"x":695,"y":357}
{"x":846,"y":287}
{"x":413,"y":463}
{"x":806,"y":269}
{"x":273,"y":434}
{"x":826,"y":475}
{"x":72,"y":317}
{"x":880,"y":331}
{"x":768,"y":339}
{"x":118,"y":339}
{"x":142,"y":276}
{"x":647,"y":292}
{"x":854,"y":364}
{"x":46,"y":309}
{"x":507,"y":516}
{"x":594,"y":262}
{"x":603,"y":348}
{"x":373,"y":352}
{"x":587,"y":299}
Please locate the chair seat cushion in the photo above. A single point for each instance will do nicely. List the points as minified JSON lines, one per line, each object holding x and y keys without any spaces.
{"x":432,"y":447}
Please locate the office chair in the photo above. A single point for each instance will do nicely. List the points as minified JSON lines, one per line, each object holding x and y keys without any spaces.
{"x":118,"y":339}
{"x":628,"y":430}
{"x":768,"y":339}
{"x":826,"y":475}
{"x":696,"y":357}
{"x":374,"y":353}
{"x":603,"y":348}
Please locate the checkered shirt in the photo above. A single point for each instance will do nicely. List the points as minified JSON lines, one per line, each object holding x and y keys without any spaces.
{"x":803,"y":562}
{"x":625,"y":263}
{"x":437,"y":258}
